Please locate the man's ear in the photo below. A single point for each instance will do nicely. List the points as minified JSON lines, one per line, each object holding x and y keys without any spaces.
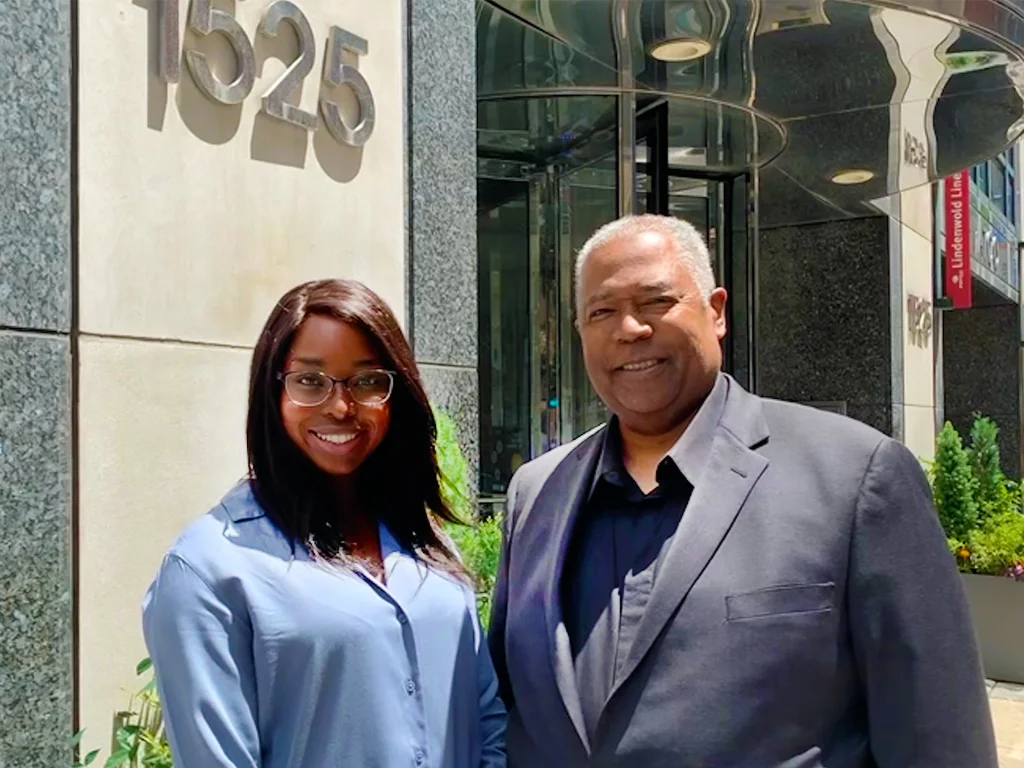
{"x":717,"y":301}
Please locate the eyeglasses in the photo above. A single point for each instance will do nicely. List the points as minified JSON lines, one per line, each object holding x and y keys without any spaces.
{"x":312,"y":388}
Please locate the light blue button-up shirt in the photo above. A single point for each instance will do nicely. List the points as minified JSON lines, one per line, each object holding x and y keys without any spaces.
{"x":265,"y":658}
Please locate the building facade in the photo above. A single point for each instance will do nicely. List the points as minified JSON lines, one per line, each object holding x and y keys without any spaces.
{"x":168,"y":168}
{"x":806,"y":140}
{"x":167,"y":171}
{"x":980,"y":322}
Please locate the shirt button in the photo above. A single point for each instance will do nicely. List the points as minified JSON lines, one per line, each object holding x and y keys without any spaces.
{"x":419,"y":757}
{"x":410,"y":687}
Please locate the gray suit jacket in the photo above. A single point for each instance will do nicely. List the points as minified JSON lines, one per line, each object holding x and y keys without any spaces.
{"x":807,"y":612}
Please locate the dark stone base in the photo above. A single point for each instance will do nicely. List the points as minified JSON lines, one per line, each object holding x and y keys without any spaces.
{"x":981,"y":374}
{"x":823,"y":332}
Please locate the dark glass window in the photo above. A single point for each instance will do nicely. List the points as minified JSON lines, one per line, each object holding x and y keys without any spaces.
{"x":997,"y":180}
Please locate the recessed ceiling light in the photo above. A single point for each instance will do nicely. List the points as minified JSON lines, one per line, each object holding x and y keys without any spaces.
{"x":680,"y":49}
{"x":853,"y":176}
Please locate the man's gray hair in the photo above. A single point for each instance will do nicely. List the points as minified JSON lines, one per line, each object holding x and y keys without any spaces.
{"x":690,"y":247}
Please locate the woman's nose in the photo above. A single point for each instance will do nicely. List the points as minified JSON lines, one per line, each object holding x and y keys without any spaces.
{"x":339,"y":404}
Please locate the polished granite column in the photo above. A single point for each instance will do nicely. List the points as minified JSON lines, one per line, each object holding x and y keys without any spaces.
{"x":981,"y":373}
{"x":823,"y":329}
{"x":442,"y":215}
{"x":36,"y":640}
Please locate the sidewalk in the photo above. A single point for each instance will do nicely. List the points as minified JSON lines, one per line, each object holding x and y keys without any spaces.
{"x":1007,"y":700}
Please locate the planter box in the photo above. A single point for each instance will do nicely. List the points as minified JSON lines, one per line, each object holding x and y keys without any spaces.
{"x":997,"y":606}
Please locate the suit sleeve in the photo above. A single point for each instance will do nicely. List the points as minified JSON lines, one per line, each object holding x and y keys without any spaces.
{"x":911,"y":628}
{"x":499,"y":606}
{"x":202,"y":655}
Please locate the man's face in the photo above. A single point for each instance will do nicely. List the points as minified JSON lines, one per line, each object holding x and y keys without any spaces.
{"x":651,"y":341}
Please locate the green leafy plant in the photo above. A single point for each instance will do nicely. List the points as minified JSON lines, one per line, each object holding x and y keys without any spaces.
{"x":998,"y":545}
{"x":979,"y":507}
{"x":478,"y":541}
{"x":480,"y":546}
{"x":954,"y":485}
{"x":993,"y":496}
{"x":452,"y":462}
{"x":140,"y":736}
{"x":140,"y":740}
{"x":76,"y":742}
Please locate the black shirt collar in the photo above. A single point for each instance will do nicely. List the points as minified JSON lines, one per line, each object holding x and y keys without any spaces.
{"x":687,"y":457}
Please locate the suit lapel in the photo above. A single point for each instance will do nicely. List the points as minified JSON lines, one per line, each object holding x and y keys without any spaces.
{"x":561,"y":501}
{"x":727,"y":479}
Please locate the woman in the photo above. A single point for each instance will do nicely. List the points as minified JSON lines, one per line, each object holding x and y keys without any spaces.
{"x":317,"y":617}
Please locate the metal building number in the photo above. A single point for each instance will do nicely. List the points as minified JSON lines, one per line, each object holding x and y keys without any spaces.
{"x":338,"y":73}
{"x":275,"y":103}
{"x":204,"y":19}
{"x":919,"y":312}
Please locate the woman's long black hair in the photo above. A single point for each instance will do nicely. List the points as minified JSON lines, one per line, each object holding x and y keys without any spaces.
{"x":399,"y":483}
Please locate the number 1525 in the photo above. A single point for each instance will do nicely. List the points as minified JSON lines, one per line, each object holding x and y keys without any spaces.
{"x":204,"y":20}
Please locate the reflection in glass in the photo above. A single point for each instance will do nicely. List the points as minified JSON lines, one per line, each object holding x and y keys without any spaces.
{"x":512,"y":56}
{"x":503,"y":299}
{"x":702,"y":135}
{"x":588,"y":201}
{"x":546,"y":180}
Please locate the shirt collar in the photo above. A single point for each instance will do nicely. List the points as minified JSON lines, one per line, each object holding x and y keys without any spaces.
{"x":389,"y":544}
{"x":689,"y":453}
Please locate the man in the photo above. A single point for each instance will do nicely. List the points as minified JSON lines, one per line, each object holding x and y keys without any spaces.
{"x":713,"y":579}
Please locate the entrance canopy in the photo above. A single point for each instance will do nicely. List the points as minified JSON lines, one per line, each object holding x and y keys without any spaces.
{"x":836,"y":103}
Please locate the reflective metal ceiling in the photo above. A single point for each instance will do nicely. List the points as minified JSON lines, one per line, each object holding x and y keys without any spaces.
{"x":907,"y":91}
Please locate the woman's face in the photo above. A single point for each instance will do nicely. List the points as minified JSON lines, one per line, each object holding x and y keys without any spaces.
{"x":338,"y":434}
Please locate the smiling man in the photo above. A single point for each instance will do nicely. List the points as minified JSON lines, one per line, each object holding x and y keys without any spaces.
{"x":714,"y":579}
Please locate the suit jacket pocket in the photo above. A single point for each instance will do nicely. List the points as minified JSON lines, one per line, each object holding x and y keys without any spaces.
{"x":776,"y":601}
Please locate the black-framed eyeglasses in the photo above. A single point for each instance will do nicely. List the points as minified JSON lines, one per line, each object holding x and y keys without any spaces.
{"x":312,"y":388}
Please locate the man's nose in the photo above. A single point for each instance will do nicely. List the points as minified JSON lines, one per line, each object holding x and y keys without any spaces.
{"x":633,"y":328}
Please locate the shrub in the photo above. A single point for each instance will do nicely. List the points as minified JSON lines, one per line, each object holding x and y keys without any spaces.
{"x":140,"y":740}
{"x":993,"y":496}
{"x":480,"y":546}
{"x":451,"y":460}
{"x":479,"y":541}
{"x":980,"y":508}
{"x":954,"y":485}
{"x":998,"y":545}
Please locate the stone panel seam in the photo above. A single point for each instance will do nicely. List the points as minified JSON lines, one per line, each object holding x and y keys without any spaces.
{"x":36,"y":333}
{"x":166,"y":341}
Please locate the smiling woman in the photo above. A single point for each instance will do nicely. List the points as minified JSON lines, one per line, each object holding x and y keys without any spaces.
{"x":321,"y":567}
{"x":340,"y":332}
{"x":336,"y":422}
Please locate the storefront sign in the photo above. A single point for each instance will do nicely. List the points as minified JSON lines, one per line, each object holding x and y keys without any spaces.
{"x":919,"y":317}
{"x":958,"y":239}
{"x":204,"y":19}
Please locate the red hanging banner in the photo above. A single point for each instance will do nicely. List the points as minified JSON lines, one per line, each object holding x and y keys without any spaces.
{"x":958,"y":239}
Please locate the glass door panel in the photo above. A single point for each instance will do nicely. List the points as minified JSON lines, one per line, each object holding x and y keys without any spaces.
{"x":588,"y":200}
{"x":504,"y":328}
{"x":542,"y":190}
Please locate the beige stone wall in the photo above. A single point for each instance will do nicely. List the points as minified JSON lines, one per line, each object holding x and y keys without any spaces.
{"x":194,"y":218}
{"x":913,"y":42}
{"x":919,"y":352}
